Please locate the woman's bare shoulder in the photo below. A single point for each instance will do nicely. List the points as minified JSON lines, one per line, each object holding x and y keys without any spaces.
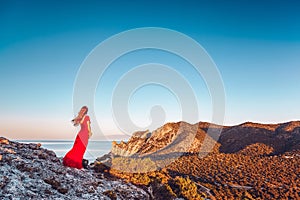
{"x":87,"y":118}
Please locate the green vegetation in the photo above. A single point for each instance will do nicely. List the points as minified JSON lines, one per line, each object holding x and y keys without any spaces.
{"x":242,"y":175}
{"x":162,"y":184}
{"x":185,"y":188}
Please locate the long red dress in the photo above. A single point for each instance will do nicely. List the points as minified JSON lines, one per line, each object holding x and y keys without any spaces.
{"x":74,"y":157}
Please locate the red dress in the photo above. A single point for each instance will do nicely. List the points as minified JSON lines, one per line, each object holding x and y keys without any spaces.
{"x":74,"y":157}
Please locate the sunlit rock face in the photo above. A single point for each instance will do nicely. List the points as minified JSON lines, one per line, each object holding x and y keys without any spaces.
{"x":161,"y":140}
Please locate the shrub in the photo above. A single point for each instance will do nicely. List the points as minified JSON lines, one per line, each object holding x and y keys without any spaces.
{"x":185,"y":188}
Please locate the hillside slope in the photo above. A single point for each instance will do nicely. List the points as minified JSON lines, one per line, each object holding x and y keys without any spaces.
{"x":248,"y":161}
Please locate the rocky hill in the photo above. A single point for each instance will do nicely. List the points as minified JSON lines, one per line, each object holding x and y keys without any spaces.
{"x":180,"y":137}
{"x":188,"y":138}
{"x":28,"y":171}
{"x":282,"y":138}
{"x":247,"y":161}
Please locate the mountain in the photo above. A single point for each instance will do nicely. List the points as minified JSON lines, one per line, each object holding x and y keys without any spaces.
{"x":246,"y":161}
{"x":188,"y":138}
{"x":282,"y":138}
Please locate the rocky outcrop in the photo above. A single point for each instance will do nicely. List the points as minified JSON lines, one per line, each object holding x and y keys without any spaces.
{"x":170,"y":139}
{"x":137,"y":140}
{"x":31,"y":172}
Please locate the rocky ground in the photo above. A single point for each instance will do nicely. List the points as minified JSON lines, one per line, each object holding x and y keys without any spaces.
{"x":28,"y":171}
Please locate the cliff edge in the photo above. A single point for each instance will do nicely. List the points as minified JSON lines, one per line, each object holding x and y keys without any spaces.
{"x":31,"y":172}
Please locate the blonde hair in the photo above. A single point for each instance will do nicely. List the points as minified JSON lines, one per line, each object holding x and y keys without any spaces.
{"x":83,"y":111}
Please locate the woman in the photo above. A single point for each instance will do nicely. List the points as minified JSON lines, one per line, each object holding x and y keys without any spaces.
{"x":74,"y":157}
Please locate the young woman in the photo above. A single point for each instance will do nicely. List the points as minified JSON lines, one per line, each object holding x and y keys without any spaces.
{"x":74,"y":157}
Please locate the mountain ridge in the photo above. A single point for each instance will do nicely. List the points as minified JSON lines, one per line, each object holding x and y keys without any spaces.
{"x":231,"y":139}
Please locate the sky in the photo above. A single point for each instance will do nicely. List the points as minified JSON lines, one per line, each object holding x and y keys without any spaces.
{"x":255,"y":45}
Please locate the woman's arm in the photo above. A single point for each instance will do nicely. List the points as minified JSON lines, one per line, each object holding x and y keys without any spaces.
{"x":89,"y":128}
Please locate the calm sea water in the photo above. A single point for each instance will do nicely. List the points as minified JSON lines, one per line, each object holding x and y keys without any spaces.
{"x":94,"y":149}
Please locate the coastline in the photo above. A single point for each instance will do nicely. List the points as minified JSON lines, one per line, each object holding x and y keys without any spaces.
{"x":95,"y":148}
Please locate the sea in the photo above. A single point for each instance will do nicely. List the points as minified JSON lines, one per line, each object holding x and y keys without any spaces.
{"x":94,"y":149}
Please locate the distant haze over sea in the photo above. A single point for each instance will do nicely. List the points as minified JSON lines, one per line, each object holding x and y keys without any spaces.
{"x":61,"y":147}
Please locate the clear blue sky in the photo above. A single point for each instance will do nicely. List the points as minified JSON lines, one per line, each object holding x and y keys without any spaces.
{"x":255,"y":45}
